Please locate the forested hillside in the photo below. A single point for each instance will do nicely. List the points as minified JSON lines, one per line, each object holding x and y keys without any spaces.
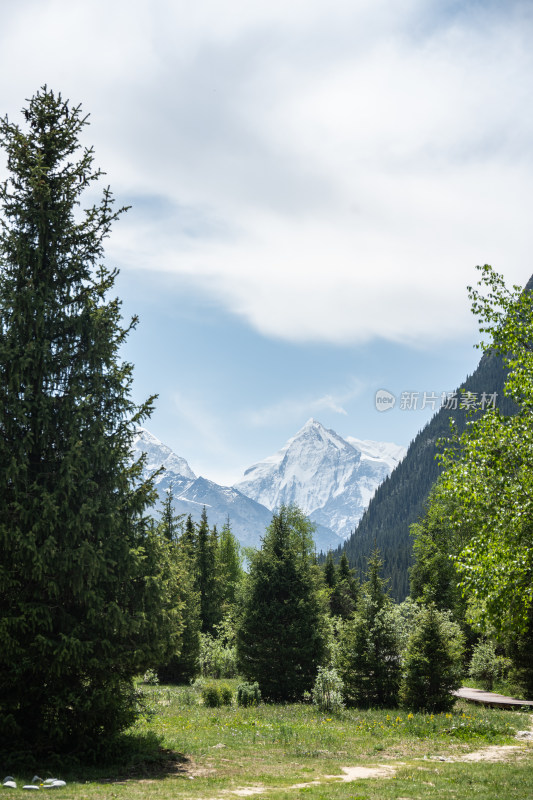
{"x":401,"y":498}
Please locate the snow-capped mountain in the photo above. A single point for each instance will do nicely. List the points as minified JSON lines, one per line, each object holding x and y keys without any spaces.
{"x":159,"y":455}
{"x":330,"y":478}
{"x":248,"y":518}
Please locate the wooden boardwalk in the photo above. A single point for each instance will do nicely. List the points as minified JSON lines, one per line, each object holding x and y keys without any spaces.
{"x":491,"y":699}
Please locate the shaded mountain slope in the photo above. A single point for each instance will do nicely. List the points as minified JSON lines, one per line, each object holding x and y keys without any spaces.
{"x":400,"y":499}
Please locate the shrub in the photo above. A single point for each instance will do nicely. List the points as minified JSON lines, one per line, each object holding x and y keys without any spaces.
{"x":486,"y":665}
{"x":433,"y":663}
{"x":327,"y":692}
{"x":211,"y":696}
{"x":226,"y":695}
{"x":150,"y":677}
{"x":217,"y":658}
{"x":248,"y":694}
{"x":214,"y":696}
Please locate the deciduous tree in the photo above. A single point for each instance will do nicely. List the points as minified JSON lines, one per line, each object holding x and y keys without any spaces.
{"x":488,"y":481}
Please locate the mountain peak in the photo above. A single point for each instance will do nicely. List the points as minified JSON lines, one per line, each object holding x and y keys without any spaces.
{"x":329,"y":478}
{"x":314,"y":434}
{"x":312,"y":423}
{"x":158,"y":454}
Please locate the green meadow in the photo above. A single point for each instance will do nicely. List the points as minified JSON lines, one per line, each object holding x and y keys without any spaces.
{"x":182,"y":749}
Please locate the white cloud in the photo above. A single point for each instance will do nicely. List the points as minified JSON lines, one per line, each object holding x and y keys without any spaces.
{"x":295,"y":410}
{"x":329,"y":171}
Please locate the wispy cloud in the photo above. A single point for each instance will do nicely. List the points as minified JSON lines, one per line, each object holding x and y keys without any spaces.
{"x":297,"y":409}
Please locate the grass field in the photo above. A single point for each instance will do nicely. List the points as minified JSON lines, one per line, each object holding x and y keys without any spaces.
{"x":185,"y":750}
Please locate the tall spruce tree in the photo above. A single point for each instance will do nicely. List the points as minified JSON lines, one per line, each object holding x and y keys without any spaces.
{"x":369,"y":660}
{"x":229,"y":566}
{"x":345,"y":594}
{"x":433,"y":667}
{"x":280,"y":640}
{"x":207,"y":579}
{"x":87,"y":589}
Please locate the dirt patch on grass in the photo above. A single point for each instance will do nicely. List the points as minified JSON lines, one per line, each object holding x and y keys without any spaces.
{"x":492,"y":753}
{"x":356,"y":773}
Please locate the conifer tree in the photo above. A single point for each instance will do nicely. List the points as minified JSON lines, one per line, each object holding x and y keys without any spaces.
{"x":189,"y":535}
{"x":345,"y":594}
{"x":229,"y":566}
{"x":171,"y":523}
{"x":433,"y":662}
{"x":330,"y":573}
{"x":370,"y":649}
{"x":207,"y":581}
{"x":87,"y":589}
{"x":183,"y":664}
{"x":280,"y":641}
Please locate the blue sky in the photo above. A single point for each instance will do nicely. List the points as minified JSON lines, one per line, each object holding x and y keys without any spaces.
{"x":312,"y":184}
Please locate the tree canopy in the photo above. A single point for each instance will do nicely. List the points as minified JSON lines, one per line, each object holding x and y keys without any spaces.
{"x":87,"y":590}
{"x":488,"y":479}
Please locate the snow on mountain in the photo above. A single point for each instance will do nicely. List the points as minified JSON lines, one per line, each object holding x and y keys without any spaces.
{"x":388,"y":452}
{"x":159,"y":455}
{"x":248,"y":518}
{"x":331,"y":479}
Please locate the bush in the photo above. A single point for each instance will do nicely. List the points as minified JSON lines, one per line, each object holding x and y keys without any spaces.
{"x":214,"y":696}
{"x":217,"y":658}
{"x":248,"y":694}
{"x":226,"y":695}
{"x":327,"y":692}
{"x":433,"y":663}
{"x":486,"y":665}
{"x":150,"y":677}
{"x":211,"y":696}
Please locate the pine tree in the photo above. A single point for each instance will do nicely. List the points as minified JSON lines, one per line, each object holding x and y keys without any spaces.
{"x":189,"y":535}
{"x":280,"y":641}
{"x":330,"y":573}
{"x":343,"y":599}
{"x":229,"y":566}
{"x":171,"y":523}
{"x":370,"y":649}
{"x":433,"y":662}
{"x":86,"y":587}
{"x":207,"y":580}
{"x":183,"y":665}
